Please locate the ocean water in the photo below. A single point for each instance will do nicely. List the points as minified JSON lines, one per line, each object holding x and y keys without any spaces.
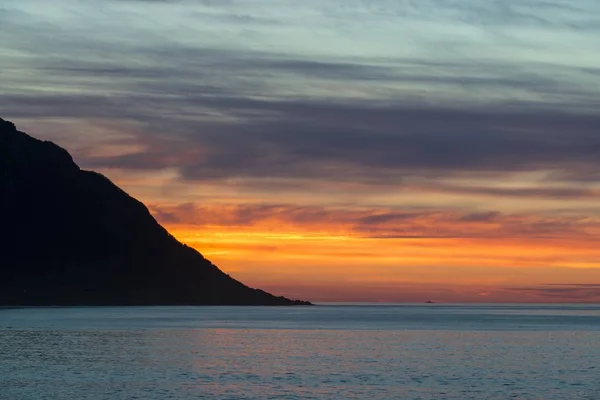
{"x":323,"y":352}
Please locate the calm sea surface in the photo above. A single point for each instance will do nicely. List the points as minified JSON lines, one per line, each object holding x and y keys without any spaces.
{"x":323,"y":352}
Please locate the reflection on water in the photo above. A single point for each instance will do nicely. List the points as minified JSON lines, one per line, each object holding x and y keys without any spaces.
{"x":371,"y":352}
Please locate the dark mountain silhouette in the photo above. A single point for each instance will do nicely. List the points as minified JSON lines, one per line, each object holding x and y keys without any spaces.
{"x":71,"y":237}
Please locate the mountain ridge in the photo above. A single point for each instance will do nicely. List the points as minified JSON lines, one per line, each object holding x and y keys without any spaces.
{"x":72,"y":237}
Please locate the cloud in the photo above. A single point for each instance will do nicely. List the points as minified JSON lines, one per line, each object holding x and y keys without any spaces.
{"x":247,"y":138}
{"x":568,"y":292}
{"x":378,"y":223}
{"x":269,"y":106}
{"x":341,"y":50}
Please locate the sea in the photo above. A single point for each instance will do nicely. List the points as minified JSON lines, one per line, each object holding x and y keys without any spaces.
{"x":328,"y":351}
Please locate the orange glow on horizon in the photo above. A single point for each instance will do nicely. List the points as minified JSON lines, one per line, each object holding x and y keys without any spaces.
{"x":345,"y":267}
{"x":340,"y":242}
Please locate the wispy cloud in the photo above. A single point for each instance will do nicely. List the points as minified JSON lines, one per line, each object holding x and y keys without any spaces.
{"x":565,"y":292}
{"x":380,"y":223}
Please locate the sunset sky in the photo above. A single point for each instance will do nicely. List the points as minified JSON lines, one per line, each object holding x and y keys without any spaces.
{"x":336,"y":150}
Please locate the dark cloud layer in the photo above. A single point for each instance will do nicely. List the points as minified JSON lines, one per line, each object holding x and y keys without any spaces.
{"x":207,"y":138}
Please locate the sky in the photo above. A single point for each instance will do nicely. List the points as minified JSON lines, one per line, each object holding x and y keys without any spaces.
{"x":336,"y":150}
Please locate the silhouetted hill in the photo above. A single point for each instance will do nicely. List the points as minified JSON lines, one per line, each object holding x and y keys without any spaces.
{"x":71,"y":237}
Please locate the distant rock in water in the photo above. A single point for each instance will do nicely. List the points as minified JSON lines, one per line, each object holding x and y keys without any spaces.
{"x":71,"y":237}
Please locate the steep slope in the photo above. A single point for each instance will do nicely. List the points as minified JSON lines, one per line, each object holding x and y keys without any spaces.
{"x":71,"y":237}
